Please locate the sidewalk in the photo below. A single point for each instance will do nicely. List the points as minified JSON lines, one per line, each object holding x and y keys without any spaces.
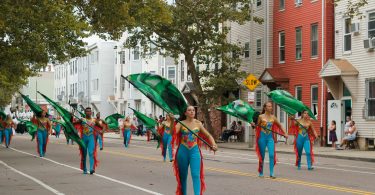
{"x":328,"y":152}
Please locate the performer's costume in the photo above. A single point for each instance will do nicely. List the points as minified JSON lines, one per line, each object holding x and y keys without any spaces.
{"x":189,"y":153}
{"x":100,"y":134}
{"x":127,"y":133}
{"x":304,"y":140}
{"x":88,"y":135}
{"x":2,"y":131}
{"x":166,"y":134}
{"x":57,"y":130}
{"x":266,"y":138}
{"x":42,"y":135}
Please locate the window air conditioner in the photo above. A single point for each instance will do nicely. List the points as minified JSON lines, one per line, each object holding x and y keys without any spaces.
{"x":355,"y":28}
{"x":369,"y":43}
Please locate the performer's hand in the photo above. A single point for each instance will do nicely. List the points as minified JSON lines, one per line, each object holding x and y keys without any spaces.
{"x":292,"y":117}
{"x":214,"y":147}
{"x":286,"y":136}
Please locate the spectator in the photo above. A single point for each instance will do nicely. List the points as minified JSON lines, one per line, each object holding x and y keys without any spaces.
{"x":347,"y":125}
{"x":332,"y":133}
{"x":240,"y":131}
{"x":229,"y":132}
{"x":351,"y":135}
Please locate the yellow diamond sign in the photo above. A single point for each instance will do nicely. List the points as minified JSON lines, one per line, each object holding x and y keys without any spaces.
{"x":251,"y":82}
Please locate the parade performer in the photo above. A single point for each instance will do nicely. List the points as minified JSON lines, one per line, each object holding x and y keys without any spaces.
{"x":267,"y":124}
{"x":88,"y":128}
{"x":305,"y":136}
{"x":44,"y":130}
{"x":165,"y":131}
{"x":8,"y":131}
{"x":126,"y":129}
{"x":57,"y":127}
{"x":100,"y":132}
{"x":188,"y":153}
{"x":2,"y":129}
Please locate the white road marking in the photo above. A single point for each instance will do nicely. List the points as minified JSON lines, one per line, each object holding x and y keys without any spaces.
{"x":33,"y":179}
{"x":98,"y":175}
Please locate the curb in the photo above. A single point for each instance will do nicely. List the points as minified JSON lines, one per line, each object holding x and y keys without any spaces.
{"x":319,"y":155}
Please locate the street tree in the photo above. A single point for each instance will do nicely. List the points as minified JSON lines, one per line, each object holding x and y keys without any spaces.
{"x":32,"y":34}
{"x":196,"y":29}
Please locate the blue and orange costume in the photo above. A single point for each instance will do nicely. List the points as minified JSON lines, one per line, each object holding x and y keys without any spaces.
{"x":127,"y":133}
{"x":304,"y":140}
{"x":57,"y":129}
{"x":88,"y":132}
{"x":166,"y":134}
{"x":100,"y":133}
{"x":44,"y":126}
{"x":189,"y":153}
{"x":266,"y":138}
{"x":2,"y":130}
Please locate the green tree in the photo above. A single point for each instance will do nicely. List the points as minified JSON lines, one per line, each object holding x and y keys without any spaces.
{"x":33,"y":33}
{"x":196,"y":29}
{"x":353,"y":8}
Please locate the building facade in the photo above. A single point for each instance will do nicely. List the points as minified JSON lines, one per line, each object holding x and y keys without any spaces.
{"x":350,"y":76}
{"x":88,"y":80}
{"x":302,"y":42}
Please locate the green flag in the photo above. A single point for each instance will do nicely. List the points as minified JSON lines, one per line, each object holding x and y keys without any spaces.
{"x":112,"y":121}
{"x":239,"y":109}
{"x":66,"y":116}
{"x":33,"y":106}
{"x":288,"y":103}
{"x":149,"y":123}
{"x":160,"y":91}
{"x":31,"y":127}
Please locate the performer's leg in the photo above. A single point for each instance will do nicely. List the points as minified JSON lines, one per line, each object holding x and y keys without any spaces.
{"x":271,"y":153}
{"x":1,"y":136}
{"x":262,"y":149}
{"x":128,"y":134}
{"x":183,"y":165}
{"x":40,"y":142}
{"x":307,"y":148}
{"x":299,"y":143}
{"x":125,"y":137}
{"x":7,"y":136}
{"x":84,"y":154}
{"x":169,"y":144}
{"x":91,"y":150}
{"x":100,"y":141}
{"x":45,"y":134}
{"x":195,"y":169}
{"x":165,"y":145}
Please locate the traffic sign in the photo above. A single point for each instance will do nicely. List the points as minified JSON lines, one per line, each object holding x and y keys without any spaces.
{"x":251,"y":82}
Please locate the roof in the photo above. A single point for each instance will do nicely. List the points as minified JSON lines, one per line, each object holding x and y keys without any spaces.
{"x":338,"y":67}
{"x":273,"y":75}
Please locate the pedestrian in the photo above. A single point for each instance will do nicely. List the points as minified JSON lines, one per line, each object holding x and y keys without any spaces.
{"x":332,"y":133}
{"x":347,"y":125}
{"x":231,"y":131}
{"x":44,"y":130}
{"x":188,"y":153}
{"x":305,"y":136}
{"x":351,"y":135}
{"x":265,"y":137}
{"x":165,"y":131}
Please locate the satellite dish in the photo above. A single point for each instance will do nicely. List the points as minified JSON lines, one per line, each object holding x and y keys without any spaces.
{"x":59,"y":97}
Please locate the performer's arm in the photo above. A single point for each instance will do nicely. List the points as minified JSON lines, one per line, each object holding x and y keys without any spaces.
{"x":208,"y":135}
{"x":313,"y":130}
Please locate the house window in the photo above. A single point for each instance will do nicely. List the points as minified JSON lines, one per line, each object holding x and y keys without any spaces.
{"x":314,"y":40}
{"x":259,"y":3}
{"x":347,"y":35}
{"x":182,"y":65}
{"x":298,"y":2}
{"x":314,"y":100}
{"x":259,"y":47}
{"x":298,"y":43}
{"x":298,"y":97}
{"x":281,"y":47}
{"x":281,"y":4}
{"x":115,"y":88}
{"x":370,"y":98}
{"x":371,"y":25}
{"x":247,"y":49}
{"x":172,"y":74}
{"x":258,"y":98}
{"x":136,"y":53}
{"x":162,"y":71}
{"x":122,"y":84}
{"x":122,"y":57}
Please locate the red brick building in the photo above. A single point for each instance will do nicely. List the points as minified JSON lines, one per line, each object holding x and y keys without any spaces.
{"x":302,"y":43}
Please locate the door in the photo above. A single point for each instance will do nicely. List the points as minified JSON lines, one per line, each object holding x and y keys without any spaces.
{"x":335,"y":108}
{"x":282,"y":117}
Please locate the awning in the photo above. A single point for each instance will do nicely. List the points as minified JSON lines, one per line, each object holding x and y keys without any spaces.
{"x":336,"y":72}
{"x":274,"y":77}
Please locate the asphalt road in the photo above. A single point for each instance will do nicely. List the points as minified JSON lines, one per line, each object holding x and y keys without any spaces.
{"x":140,"y":170}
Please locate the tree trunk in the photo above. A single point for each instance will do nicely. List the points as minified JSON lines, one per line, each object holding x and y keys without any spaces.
{"x":199,"y":92}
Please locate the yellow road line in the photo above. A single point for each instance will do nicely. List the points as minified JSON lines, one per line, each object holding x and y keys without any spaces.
{"x":239,"y":173}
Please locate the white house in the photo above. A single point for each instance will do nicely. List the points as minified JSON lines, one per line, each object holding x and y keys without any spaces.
{"x":350,"y":77}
